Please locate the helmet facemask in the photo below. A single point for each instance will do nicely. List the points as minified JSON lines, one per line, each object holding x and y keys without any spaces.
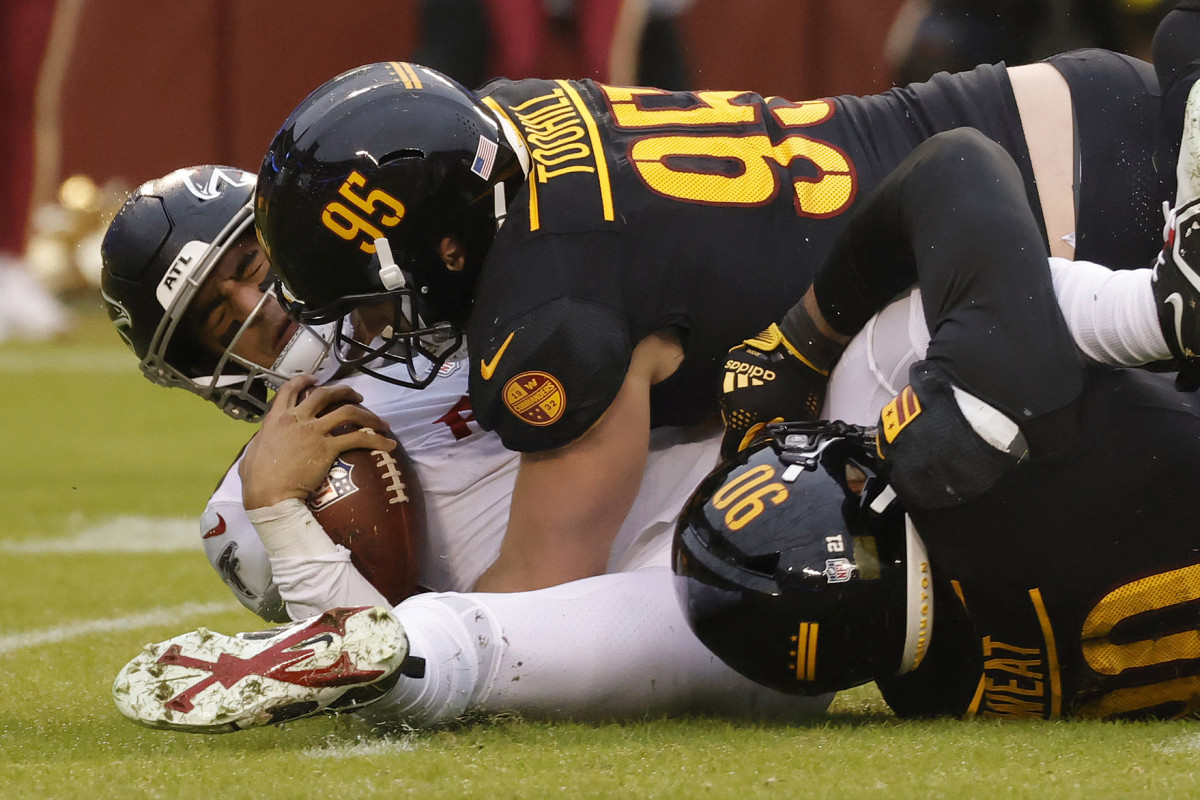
{"x":236,"y":385}
{"x":396,"y":334}
{"x":425,"y":319}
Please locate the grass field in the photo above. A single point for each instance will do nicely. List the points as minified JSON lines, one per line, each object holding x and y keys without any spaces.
{"x":101,"y":479}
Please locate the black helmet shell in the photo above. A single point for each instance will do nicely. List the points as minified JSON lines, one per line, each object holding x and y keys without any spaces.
{"x":389,"y":150}
{"x":794,"y":579}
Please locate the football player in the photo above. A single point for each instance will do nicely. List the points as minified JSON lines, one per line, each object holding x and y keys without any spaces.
{"x":644,"y":234}
{"x":1015,"y":538}
{"x":188,"y":288}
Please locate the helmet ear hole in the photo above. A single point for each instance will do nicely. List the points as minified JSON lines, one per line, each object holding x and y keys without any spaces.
{"x":765,"y":564}
{"x":397,"y":155}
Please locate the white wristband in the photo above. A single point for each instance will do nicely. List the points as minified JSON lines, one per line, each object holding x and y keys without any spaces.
{"x":288,"y":529}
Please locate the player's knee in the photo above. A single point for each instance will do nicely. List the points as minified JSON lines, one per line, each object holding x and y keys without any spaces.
{"x":942,"y":445}
{"x":964,"y":157}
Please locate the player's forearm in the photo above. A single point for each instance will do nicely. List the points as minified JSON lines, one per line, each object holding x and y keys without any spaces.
{"x":568,"y":504}
{"x":312,"y":573}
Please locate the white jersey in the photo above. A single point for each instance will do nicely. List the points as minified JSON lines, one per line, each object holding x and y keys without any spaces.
{"x":467,"y":479}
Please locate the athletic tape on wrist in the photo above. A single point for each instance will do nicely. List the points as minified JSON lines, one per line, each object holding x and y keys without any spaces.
{"x":288,"y":529}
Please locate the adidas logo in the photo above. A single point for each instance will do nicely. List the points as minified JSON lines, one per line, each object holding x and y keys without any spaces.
{"x":739,"y":375}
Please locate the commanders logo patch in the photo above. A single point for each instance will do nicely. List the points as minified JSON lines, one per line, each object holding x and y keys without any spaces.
{"x":536,"y":397}
{"x":337,"y":485}
{"x":903,"y":409}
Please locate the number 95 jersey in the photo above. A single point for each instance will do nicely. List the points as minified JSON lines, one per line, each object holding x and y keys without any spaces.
{"x":700,"y":213}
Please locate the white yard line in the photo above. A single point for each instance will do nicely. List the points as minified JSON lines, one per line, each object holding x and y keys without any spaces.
{"x":12,"y":642}
{"x":363,"y":747}
{"x":119,"y":535}
{"x":104,"y":361}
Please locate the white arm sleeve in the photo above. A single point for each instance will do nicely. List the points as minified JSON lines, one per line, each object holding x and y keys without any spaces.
{"x":235,"y":552}
{"x":295,"y":581}
{"x":1111,"y":313}
{"x":313,"y":574}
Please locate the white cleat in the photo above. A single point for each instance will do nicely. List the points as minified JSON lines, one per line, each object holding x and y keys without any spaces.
{"x":205,"y":682}
{"x":1176,"y":281}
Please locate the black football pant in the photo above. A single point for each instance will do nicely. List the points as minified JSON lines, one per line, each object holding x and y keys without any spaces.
{"x":954,"y":220}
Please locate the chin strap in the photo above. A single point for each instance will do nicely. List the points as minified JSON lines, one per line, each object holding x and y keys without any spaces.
{"x":389,"y":272}
{"x":500,"y":204}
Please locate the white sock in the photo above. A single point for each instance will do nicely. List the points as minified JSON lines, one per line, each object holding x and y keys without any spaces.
{"x":613,"y":646}
{"x":1111,"y":313}
{"x":458,"y":640}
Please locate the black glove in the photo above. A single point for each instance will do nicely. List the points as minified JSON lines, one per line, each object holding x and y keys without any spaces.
{"x":767,"y":380}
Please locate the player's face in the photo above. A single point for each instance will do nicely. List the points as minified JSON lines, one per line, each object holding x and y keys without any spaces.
{"x":229,"y":297}
{"x":371,"y":319}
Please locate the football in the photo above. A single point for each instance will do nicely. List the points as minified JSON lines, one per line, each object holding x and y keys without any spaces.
{"x":371,"y":504}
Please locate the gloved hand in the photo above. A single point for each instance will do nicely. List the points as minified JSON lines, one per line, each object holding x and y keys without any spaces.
{"x":766,"y":380}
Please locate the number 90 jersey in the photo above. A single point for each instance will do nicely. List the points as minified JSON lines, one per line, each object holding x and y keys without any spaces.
{"x":701,"y":213}
{"x":1071,"y":589}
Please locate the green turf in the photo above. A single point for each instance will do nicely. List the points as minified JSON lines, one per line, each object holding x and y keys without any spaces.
{"x":86,"y":440}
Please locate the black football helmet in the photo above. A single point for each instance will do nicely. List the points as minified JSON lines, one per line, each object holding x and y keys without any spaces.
{"x":158,"y":249}
{"x":796,"y":565}
{"x":361,"y":183}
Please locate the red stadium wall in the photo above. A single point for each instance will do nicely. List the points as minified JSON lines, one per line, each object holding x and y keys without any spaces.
{"x":151,"y":86}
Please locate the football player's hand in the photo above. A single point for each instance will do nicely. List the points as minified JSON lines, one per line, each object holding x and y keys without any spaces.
{"x":300,"y":439}
{"x":767,"y":380}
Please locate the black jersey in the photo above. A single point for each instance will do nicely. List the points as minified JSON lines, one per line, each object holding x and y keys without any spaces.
{"x":701,"y":213}
{"x":1073,"y":587}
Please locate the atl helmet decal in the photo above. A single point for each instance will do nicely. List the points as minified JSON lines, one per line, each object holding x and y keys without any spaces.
{"x":181,"y":269}
{"x":337,"y":485}
{"x":535,"y":397}
{"x":212,"y":190}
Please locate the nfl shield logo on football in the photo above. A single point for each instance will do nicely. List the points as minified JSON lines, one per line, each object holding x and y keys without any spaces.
{"x":838,"y":570}
{"x":338,"y":484}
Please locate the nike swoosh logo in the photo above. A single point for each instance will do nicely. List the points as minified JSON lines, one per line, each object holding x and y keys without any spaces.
{"x":486,"y":369}
{"x":1189,"y":274}
{"x":216,"y":530}
{"x":1175,"y":301}
{"x":324,"y":637}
